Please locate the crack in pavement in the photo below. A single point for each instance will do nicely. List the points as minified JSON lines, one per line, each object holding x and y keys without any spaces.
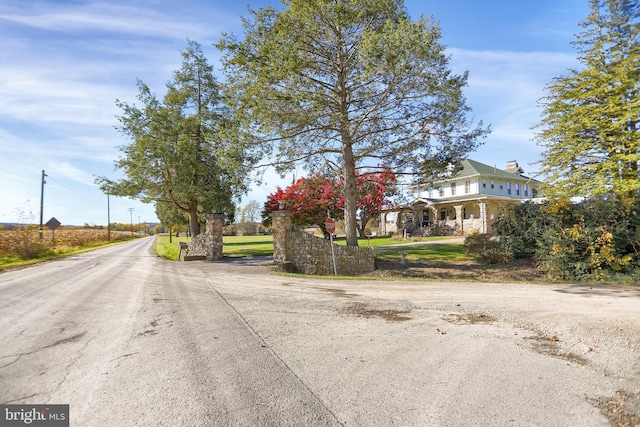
{"x":73,"y":362}
{"x":57,"y":343}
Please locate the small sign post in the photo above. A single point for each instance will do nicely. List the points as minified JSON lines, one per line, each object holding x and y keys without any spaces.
{"x":330,"y":226}
{"x":52,"y":224}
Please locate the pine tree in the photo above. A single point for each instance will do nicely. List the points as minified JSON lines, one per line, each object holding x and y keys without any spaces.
{"x":590,"y":127}
{"x":341,"y":84}
{"x":180,"y":153}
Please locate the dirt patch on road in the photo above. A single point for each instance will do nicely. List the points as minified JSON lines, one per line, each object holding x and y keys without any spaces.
{"x":469,"y":318}
{"x":622,"y":410}
{"x":366,"y":311}
{"x":520,"y":271}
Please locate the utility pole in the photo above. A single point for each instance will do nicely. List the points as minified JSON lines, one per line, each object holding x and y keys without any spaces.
{"x":138,"y":224}
{"x":131,"y":215}
{"x":42,"y":200}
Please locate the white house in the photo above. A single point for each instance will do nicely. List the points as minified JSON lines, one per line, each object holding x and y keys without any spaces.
{"x":463,"y":200}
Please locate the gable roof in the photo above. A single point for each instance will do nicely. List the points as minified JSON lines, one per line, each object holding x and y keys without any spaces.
{"x":473,"y":168}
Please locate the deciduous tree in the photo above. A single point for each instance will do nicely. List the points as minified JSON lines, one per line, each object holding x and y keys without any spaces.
{"x":311,"y":199}
{"x":590,"y":126}
{"x":343,"y":83}
{"x":373,"y":190}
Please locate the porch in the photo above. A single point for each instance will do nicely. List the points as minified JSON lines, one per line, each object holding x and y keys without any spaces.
{"x":427,"y":218}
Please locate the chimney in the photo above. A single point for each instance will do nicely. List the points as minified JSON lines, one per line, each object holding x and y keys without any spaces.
{"x":513,"y":167}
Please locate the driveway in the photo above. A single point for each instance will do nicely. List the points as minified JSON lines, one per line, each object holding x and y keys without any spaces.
{"x":126,"y":338}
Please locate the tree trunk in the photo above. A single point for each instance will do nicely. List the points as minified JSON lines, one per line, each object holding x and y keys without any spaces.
{"x":364,"y":219}
{"x":350,"y":221}
{"x":194,"y":225}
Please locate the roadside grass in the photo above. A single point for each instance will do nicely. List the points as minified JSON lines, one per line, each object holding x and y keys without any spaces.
{"x":166,"y":249}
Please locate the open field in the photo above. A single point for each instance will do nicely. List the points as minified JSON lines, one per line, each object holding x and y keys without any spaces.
{"x":24,"y":245}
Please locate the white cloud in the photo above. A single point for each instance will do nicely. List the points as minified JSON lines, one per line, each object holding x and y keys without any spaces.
{"x":105,"y":17}
{"x":504,"y":89}
{"x":69,"y":171}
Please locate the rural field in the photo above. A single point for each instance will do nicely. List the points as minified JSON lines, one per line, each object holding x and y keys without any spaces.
{"x":23,"y":244}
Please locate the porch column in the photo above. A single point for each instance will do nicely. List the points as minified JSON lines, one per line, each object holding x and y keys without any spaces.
{"x":459,"y":218}
{"x":383,"y":223}
{"x":434,"y":214}
{"x":415,"y":221}
{"x":483,"y":217}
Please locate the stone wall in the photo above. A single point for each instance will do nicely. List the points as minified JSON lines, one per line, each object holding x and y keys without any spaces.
{"x":300,"y":252}
{"x":312,"y":255}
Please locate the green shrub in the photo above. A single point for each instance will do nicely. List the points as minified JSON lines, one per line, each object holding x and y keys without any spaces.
{"x":486,"y":249}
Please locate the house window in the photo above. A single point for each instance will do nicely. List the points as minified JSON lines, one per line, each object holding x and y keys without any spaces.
{"x":501,"y":185}
{"x":534,"y":192}
{"x":443,"y":214}
{"x":467,"y":187}
{"x":493,"y":184}
{"x":484,"y":183}
{"x":526,"y":190}
{"x":508,"y":188}
{"x":453,"y":188}
{"x":517,"y":189}
{"x":441,"y":191}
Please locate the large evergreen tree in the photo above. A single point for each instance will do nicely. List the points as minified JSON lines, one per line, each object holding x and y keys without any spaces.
{"x":590,"y":127}
{"x":178,"y":152}
{"x":342,"y":83}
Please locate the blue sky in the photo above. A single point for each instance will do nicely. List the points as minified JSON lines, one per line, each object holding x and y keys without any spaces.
{"x":64,"y":63}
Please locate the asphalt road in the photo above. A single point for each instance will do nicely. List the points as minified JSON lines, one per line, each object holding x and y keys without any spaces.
{"x":128,"y":339}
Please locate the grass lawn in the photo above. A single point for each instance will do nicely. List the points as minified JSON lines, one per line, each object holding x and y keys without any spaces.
{"x":233,"y":246}
{"x":435,"y":251}
{"x":247,"y":246}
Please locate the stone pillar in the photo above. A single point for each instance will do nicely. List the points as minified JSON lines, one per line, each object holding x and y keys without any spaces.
{"x":416,"y":221}
{"x":460,"y":218}
{"x":282,"y":246}
{"x":214,"y":227}
{"x":382,"y":228}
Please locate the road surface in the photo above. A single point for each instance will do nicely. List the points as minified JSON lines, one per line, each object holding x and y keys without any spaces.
{"x":126,"y":339}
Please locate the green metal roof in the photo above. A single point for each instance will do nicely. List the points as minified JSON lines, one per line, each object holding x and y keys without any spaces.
{"x":474,"y":168}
